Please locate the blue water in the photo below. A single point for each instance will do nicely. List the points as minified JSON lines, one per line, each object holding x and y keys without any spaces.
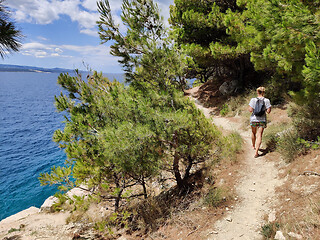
{"x":28,"y":119}
{"x":27,"y":122}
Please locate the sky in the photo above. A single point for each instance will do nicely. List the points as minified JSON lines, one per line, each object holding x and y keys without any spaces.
{"x":64,"y":34}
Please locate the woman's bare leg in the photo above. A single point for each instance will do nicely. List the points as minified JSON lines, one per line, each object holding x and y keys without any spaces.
{"x":258,"y":139}
{"x":253,"y":136}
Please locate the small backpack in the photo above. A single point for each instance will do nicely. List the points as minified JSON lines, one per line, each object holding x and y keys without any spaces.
{"x":259,"y":109}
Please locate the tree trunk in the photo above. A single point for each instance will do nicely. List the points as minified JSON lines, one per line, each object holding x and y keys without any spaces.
{"x":144,"y":188}
{"x":117,"y":201}
{"x":176,"y":171}
{"x":187,"y":172}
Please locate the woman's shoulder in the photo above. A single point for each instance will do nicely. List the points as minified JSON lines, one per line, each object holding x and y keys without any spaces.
{"x":267,"y":102}
{"x":252,"y":101}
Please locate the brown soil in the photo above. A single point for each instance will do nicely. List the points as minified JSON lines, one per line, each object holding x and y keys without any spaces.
{"x":298,"y":208}
{"x":257,"y":186}
{"x":252,"y":182}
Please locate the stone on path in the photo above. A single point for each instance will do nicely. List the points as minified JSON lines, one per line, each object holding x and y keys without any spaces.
{"x":272,"y":216}
{"x":295,"y":235}
{"x":279,"y":236}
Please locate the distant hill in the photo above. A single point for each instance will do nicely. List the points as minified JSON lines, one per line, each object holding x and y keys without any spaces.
{"x":18,"y":68}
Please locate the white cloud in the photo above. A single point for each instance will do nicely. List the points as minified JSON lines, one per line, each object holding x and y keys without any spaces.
{"x":73,"y":56}
{"x":90,"y":4}
{"x":46,"y":11}
{"x":82,"y":11}
{"x":38,"y":49}
{"x":115,"y":5}
{"x":58,"y":50}
{"x":40,"y":54}
{"x":42,"y":38}
{"x":91,"y":32}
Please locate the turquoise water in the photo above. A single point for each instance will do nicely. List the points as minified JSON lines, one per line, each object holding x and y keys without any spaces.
{"x":28,"y":120}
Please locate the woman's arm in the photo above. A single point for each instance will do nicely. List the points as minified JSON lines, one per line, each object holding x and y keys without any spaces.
{"x":269,"y":110}
{"x":250,"y":109}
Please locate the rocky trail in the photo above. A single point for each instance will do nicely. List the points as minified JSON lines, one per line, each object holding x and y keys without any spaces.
{"x":255,"y":189}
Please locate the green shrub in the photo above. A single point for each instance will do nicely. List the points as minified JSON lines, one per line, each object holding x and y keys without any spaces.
{"x":13,"y":230}
{"x":271,"y":137}
{"x":269,"y":230}
{"x":290,"y":146}
{"x":225,"y":110}
{"x":215,"y":197}
{"x":232,"y":144}
{"x":288,"y":142}
{"x":306,"y":123}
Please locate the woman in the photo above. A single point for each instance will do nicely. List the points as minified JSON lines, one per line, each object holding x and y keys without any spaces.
{"x":258,"y":123}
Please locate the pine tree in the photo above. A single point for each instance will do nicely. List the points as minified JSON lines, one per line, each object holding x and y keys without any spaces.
{"x":9,"y":35}
{"x":199,"y":27}
{"x":146,"y":53}
{"x":117,"y":137}
{"x":282,"y":38}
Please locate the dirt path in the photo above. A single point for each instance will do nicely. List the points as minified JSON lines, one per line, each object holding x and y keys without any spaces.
{"x":255,"y":189}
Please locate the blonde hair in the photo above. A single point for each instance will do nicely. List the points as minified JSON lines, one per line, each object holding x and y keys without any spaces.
{"x":261,"y":90}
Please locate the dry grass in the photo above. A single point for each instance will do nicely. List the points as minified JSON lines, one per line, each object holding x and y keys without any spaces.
{"x":298,"y":208}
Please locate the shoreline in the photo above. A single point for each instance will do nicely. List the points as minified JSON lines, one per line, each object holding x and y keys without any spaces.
{"x":46,"y":206}
{"x":34,"y":221}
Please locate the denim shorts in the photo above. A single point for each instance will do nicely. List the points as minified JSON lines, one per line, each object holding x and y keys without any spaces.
{"x":258,"y":124}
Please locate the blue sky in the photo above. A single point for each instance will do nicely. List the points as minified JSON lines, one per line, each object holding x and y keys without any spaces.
{"x":63,"y":33}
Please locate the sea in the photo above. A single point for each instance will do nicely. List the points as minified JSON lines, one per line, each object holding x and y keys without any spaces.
{"x":28,"y":119}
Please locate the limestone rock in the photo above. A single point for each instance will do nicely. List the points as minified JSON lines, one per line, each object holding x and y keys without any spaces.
{"x":295,"y":235}
{"x":77,"y":191}
{"x":279,"y":236}
{"x":272,"y":216}
{"x":47,"y":205}
{"x":122,"y":238}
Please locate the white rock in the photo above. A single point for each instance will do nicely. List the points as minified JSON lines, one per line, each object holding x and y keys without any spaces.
{"x":295,"y":235}
{"x":222,"y":181}
{"x":47,"y":205}
{"x":279,"y":236}
{"x":272,"y":216}
{"x":77,"y":191}
{"x":122,"y":238}
{"x":229,"y":219}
